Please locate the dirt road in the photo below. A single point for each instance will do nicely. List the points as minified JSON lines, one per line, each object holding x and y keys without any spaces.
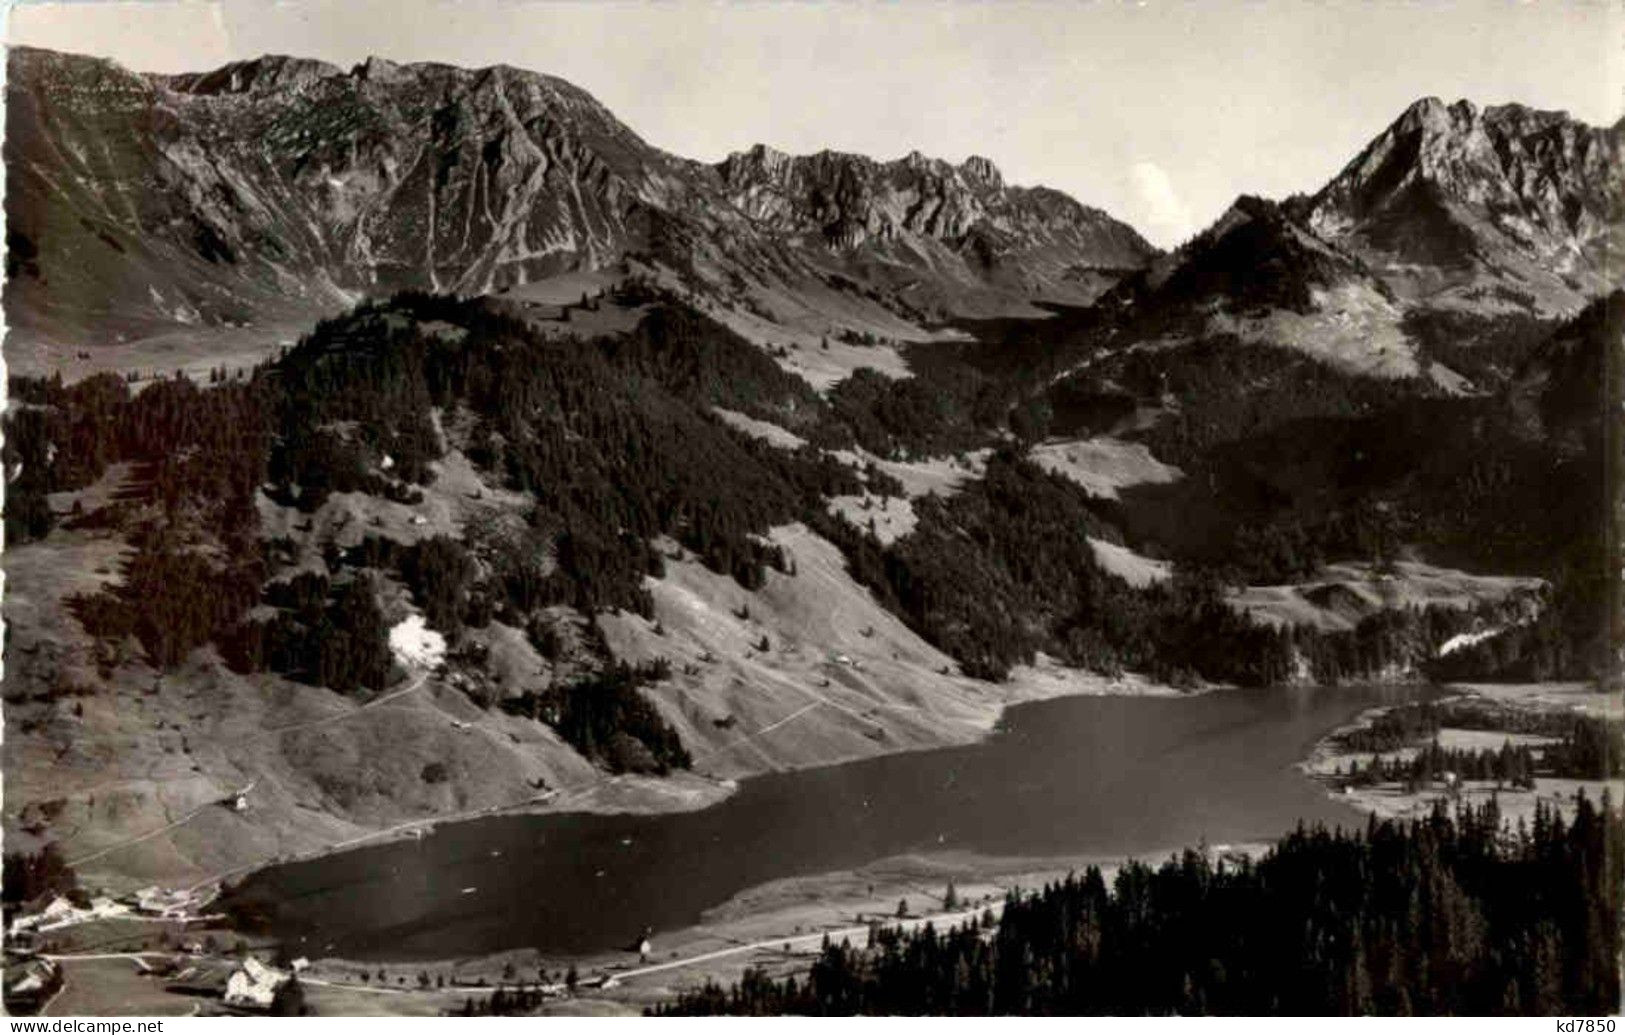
{"x":417,"y":684}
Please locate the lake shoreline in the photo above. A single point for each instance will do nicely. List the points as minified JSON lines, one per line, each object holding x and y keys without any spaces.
{"x":798,"y":911}
{"x":1302,"y":709}
{"x":689,"y":791}
{"x":799,"y":908}
{"x":1392,"y":801}
{"x":778,"y":926}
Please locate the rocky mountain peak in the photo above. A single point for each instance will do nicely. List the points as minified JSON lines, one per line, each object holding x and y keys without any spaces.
{"x":759,"y":161}
{"x":287,"y":185}
{"x":266,"y":74}
{"x":982,"y":172}
{"x":1507,"y":200}
{"x":380,"y":70}
{"x":1422,"y":110}
{"x":849,"y":201}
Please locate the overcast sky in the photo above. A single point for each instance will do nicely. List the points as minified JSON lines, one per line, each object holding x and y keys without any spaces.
{"x":1158,"y":112}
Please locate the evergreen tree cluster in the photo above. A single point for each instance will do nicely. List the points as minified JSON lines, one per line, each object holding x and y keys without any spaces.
{"x":1004,"y":569}
{"x":1290,"y":462}
{"x":1464,"y":478}
{"x":1508,"y":765}
{"x":446,"y":579}
{"x":173,"y":598}
{"x":699,"y":360}
{"x":1584,"y":747}
{"x":336,"y":639}
{"x":196,"y":456}
{"x":943,"y":408}
{"x":1228,"y":390}
{"x":1396,"y":728}
{"x":1489,"y":350}
{"x":1403,"y":639}
{"x":441,"y":572}
{"x":27,"y":876}
{"x":1443,"y":915}
{"x":350,"y":393}
{"x":605,"y":718}
{"x":1594,"y":749}
{"x":517,"y":1001}
{"x":502,"y":1003}
{"x":614,"y":437}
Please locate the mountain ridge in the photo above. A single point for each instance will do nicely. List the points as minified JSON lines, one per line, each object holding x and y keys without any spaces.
{"x":286,"y":184}
{"x":269,"y":191}
{"x":1461,"y":205}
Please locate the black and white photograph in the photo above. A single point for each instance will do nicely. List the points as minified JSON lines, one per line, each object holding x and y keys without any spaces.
{"x":642,"y":509}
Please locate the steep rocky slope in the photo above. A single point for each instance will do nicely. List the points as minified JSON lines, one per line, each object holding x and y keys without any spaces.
{"x":1496,"y":207}
{"x":278,"y":187}
{"x":1450,"y":246}
{"x":893,"y":218}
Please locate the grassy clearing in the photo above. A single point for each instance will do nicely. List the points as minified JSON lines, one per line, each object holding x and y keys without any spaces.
{"x":1347,"y":592}
{"x":1104,"y":465}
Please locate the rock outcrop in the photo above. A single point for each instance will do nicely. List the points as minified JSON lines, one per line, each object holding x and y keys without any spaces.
{"x":1484,"y":207}
{"x":848,"y":201}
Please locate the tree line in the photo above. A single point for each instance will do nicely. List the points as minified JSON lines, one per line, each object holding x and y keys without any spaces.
{"x":1005,"y":568}
{"x":604,"y":718}
{"x":615,"y":442}
{"x":1508,"y":765}
{"x":1582,"y":747}
{"x":1451,"y":914}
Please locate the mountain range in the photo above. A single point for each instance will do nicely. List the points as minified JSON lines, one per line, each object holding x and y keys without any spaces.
{"x":1466,"y":206}
{"x":270,"y":190}
{"x":282,"y":185}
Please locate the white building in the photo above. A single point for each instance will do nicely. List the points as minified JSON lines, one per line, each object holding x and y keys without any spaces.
{"x":253,"y":986}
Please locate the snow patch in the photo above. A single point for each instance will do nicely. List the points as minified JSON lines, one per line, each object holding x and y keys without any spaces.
{"x":414,"y":643}
{"x":1460,"y":640}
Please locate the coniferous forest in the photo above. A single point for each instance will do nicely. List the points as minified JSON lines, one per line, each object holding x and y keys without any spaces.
{"x":615,"y":442}
{"x":1453,"y":914}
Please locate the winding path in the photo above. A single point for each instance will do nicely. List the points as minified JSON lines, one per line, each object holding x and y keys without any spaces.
{"x":417,"y":684}
{"x":814,"y":939}
{"x":615,"y":977}
{"x":148,"y":836}
{"x":491,"y":810}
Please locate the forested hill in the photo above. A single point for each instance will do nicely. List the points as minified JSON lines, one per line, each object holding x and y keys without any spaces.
{"x":1446,"y":915}
{"x":605,"y":451}
{"x":616,"y":444}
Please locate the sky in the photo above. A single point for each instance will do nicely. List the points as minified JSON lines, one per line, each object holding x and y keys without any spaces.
{"x":1158,"y":112}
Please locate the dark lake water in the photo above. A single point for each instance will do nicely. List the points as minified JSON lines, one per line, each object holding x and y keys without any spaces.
{"x":1097,"y":776}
